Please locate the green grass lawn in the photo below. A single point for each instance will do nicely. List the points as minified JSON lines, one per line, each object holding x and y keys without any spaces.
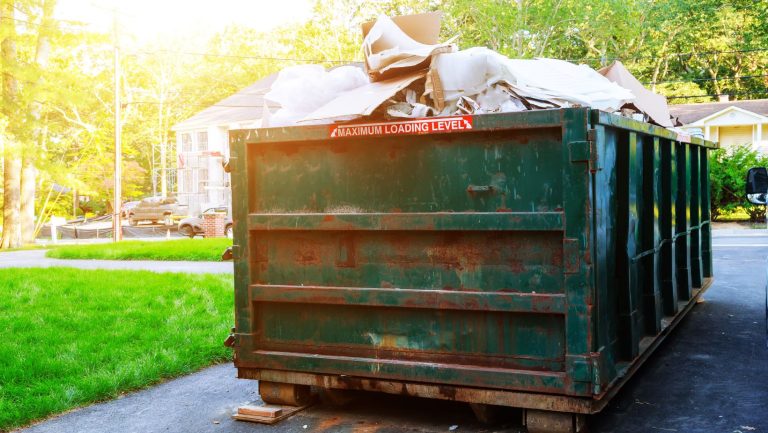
{"x":69,"y":337}
{"x":177,"y":249}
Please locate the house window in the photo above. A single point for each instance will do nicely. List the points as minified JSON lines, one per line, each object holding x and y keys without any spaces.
{"x":202,"y":141}
{"x":192,"y":161}
{"x":187,"y":180}
{"x":202,"y":179}
{"x":186,"y":142}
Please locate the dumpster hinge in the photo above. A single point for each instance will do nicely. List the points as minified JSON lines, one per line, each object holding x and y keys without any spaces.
{"x":585,"y":150}
{"x":592,"y":141}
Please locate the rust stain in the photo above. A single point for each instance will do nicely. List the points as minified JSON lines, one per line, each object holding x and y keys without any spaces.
{"x":289,"y":148}
{"x":365,"y":428}
{"x":339,"y":147}
{"x":457,"y":255}
{"x":448,"y":392}
{"x":360,"y":427}
{"x":516,"y":265}
{"x":307,"y":254}
{"x":328,"y":424}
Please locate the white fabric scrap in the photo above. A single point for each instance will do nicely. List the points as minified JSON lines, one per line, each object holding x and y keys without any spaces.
{"x":300,"y":90}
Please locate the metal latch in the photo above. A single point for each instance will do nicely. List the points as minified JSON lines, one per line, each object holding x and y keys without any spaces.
{"x":227,"y":254}
{"x":231,"y":253}
{"x":230,"y":341}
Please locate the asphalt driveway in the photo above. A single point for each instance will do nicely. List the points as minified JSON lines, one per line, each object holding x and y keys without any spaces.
{"x":711,"y":375}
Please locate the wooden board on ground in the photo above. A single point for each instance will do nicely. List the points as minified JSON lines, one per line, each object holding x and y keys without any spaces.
{"x":271,"y":413}
{"x":268,"y":410}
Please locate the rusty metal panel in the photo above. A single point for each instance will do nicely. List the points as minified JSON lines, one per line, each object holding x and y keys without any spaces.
{"x":538,"y":252}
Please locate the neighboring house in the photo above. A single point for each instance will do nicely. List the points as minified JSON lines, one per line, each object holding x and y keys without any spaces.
{"x":202,"y":145}
{"x":729,"y":122}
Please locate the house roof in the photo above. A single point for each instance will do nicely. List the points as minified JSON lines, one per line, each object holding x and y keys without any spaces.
{"x":690,"y":113}
{"x":246,"y":105}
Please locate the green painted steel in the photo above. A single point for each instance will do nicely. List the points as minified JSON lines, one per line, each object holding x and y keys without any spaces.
{"x":542,"y":251}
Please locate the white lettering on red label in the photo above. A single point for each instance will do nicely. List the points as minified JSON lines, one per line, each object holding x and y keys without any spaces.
{"x":421,"y":126}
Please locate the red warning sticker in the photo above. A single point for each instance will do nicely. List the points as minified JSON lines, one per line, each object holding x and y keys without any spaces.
{"x":420,"y":126}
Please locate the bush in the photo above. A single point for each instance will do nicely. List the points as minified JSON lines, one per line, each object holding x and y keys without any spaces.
{"x":728,"y":177}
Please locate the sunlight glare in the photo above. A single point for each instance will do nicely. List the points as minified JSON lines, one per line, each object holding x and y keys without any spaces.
{"x":157,"y":20}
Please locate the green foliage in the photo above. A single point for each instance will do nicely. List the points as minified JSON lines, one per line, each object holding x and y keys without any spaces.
{"x":728,"y":177}
{"x":177,"y":249}
{"x":688,"y":47}
{"x":104,"y":333}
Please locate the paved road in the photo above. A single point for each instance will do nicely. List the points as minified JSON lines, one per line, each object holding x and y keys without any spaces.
{"x":37,"y":259}
{"x":711,"y":375}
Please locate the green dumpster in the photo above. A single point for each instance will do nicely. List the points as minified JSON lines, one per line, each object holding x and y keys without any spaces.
{"x":530,"y":259}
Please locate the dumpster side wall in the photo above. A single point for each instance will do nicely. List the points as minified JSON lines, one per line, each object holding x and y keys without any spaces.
{"x":652,"y":240}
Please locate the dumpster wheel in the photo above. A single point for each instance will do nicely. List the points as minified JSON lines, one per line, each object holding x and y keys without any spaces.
{"x":285,"y":393}
{"x":545,"y":421}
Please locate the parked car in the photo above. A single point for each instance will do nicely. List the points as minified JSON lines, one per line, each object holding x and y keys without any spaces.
{"x":127,"y":207}
{"x":757,"y":185}
{"x":193,"y":226}
{"x":153,"y":209}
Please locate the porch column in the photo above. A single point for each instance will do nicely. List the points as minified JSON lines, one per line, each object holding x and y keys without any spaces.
{"x":759,"y":135}
{"x":706,"y":132}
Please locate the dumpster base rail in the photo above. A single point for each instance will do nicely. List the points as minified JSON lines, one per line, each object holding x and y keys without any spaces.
{"x":523,"y":400}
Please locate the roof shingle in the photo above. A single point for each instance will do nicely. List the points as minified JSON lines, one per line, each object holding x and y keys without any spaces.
{"x":690,"y":113}
{"x":244,"y":106}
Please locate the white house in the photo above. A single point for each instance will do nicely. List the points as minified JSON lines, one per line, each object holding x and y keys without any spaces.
{"x":729,"y":122}
{"x":202,"y":145}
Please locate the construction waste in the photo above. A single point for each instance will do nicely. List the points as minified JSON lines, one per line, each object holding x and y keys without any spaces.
{"x":408,"y":74}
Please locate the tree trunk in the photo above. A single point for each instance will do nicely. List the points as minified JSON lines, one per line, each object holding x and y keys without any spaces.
{"x":11,"y":196}
{"x":29,"y":171}
{"x":12,"y":159}
{"x":27,"y":200}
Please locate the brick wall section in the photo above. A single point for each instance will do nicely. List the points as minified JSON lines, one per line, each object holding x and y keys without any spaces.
{"x":213,"y":225}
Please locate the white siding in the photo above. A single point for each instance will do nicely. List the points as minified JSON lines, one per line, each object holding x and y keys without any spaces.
{"x":202,"y":182}
{"x":735,"y":135}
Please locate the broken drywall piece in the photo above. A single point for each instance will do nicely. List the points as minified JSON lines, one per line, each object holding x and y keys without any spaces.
{"x":497,"y":99}
{"x":401,"y":45}
{"x":410,"y":108}
{"x":539,"y":83}
{"x":650,"y":103}
{"x":463,"y":73}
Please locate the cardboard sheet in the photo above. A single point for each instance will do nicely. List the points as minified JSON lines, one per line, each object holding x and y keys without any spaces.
{"x":652,"y":104}
{"x":362,"y":101}
{"x":397,"y":46}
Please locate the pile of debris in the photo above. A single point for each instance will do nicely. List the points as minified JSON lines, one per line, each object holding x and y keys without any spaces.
{"x":408,"y":74}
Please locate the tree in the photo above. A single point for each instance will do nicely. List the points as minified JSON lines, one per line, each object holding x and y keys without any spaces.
{"x":32,"y":151}
{"x":11,"y":151}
